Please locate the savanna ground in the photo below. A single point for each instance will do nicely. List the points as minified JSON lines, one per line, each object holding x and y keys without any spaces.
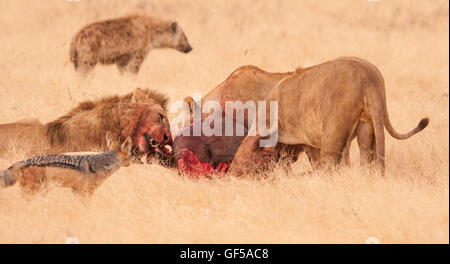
{"x":407,"y":40}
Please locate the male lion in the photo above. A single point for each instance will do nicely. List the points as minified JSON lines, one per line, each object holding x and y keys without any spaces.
{"x":124,"y":41}
{"x":140,"y":115}
{"x":325,"y":107}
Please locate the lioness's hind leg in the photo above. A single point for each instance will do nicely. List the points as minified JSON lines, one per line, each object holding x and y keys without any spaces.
{"x":346,"y":152}
{"x":336,"y":140}
{"x":366,"y":142}
{"x":332,"y":151}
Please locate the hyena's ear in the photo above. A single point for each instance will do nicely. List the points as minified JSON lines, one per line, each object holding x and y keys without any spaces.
{"x":126,"y":145}
{"x":138,"y":95}
{"x":173,"y":27}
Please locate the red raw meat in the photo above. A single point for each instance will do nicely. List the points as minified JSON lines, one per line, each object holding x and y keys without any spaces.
{"x":191,"y":165}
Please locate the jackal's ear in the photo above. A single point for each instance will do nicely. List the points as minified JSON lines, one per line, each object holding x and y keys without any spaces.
{"x":126,"y":145}
{"x":173,"y":27}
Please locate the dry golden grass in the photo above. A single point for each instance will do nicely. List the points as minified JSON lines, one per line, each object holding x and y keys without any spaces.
{"x":407,"y":40}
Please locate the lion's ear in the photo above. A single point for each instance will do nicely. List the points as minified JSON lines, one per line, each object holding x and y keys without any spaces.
{"x":126,"y":145}
{"x":191,"y":103}
{"x":138,"y":95}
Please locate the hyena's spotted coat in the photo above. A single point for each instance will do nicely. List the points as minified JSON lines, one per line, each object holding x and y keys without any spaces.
{"x":124,"y":41}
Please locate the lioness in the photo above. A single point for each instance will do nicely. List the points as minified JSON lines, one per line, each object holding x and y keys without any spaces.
{"x":325,"y":107}
{"x":248,"y":83}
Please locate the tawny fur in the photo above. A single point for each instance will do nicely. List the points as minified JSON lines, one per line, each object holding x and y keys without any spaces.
{"x":250,"y":83}
{"x":245,"y":83}
{"x":84,"y":127}
{"x":83,"y":173}
{"x":124,"y":41}
{"x":325,"y":107}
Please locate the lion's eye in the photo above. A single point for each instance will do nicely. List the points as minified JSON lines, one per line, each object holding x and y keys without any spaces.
{"x":161,"y":118}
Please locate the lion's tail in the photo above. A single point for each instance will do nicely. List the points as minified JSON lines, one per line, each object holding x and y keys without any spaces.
{"x":380,"y":119}
{"x":9,"y":177}
{"x":387,"y":123}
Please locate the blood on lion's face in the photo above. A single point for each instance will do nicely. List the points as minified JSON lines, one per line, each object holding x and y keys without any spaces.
{"x":153,"y":133}
{"x":149,"y":129}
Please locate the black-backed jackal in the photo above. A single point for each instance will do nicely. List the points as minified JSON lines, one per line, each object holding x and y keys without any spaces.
{"x":82,"y":173}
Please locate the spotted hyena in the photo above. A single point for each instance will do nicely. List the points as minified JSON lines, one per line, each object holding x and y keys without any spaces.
{"x":124,"y":41}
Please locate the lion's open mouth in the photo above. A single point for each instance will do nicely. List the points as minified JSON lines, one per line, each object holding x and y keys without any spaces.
{"x":154,"y":146}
